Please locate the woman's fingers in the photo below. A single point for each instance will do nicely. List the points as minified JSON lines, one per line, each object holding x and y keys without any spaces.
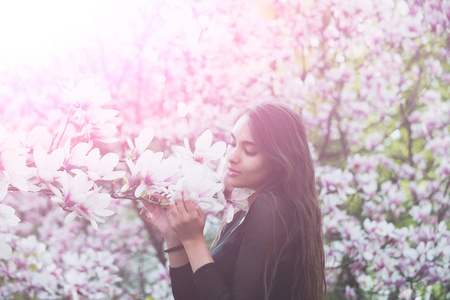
{"x":181,"y":199}
{"x":143,"y":215}
{"x":149,"y":206}
{"x":190,"y":205}
{"x":200,"y":212}
{"x":178,"y":202}
{"x":184,"y":208}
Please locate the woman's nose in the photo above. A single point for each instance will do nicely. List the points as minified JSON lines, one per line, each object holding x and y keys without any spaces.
{"x":232,"y":156}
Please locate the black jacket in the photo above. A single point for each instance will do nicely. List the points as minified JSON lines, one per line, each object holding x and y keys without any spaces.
{"x":240,"y":257}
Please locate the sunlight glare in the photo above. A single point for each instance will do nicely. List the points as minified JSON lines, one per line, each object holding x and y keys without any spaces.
{"x":30,"y":30}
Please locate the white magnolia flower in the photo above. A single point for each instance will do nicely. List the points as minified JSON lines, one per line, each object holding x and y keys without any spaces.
{"x":204,"y":151}
{"x":88,"y":94}
{"x":13,"y":168}
{"x":7,"y":216}
{"x":76,"y":157}
{"x":88,"y":98}
{"x":102,"y":131}
{"x":5,"y":249}
{"x":141,"y":143}
{"x":154,"y":172}
{"x":201,"y":187}
{"x":237,"y":199}
{"x":48,"y":165}
{"x":39,"y":135}
{"x":102,"y":168}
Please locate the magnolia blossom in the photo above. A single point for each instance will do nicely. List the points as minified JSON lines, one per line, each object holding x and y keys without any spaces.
{"x":48,"y":165}
{"x":88,"y":98}
{"x":13,"y":168}
{"x":75,"y":157}
{"x":7,"y":219}
{"x":87,"y":94}
{"x":204,"y":151}
{"x":38,"y":136}
{"x":7,"y":216}
{"x":102,"y":168}
{"x":5,"y":249}
{"x":79,"y":195}
{"x":141,"y":143}
{"x":350,"y":293}
{"x":422,"y":212}
{"x":102,"y":131}
{"x":238,"y":198}
{"x":335,"y":181}
{"x":367,"y":182}
{"x":201,"y":187}
{"x":153,"y":173}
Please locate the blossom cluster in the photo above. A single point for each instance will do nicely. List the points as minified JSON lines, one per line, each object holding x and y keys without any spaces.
{"x":84,"y":181}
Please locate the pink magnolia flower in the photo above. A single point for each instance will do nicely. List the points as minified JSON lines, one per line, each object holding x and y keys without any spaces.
{"x":422,"y":212}
{"x":443,"y":169}
{"x":335,"y":181}
{"x":350,"y":293}
{"x":405,"y":294}
{"x":361,"y":163}
{"x":79,"y":195}
{"x":153,"y":173}
{"x":368,"y":182}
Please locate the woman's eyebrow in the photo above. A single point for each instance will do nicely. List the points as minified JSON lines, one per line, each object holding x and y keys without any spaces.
{"x":245,"y":142}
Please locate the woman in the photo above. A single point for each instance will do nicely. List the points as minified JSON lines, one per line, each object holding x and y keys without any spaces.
{"x":273,"y":251}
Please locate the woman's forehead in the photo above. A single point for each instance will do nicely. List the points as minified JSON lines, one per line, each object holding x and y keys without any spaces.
{"x":241,"y":130}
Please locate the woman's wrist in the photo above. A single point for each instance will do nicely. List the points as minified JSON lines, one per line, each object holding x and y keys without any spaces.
{"x":198,"y":253}
{"x":193,"y":242}
{"x":176,"y":252}
{"x":172,"y":241}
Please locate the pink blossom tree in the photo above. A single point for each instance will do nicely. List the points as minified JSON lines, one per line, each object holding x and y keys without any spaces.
{"x":370,"y":79}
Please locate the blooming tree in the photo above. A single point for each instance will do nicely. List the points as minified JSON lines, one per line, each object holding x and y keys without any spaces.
{"x":370,"y":79}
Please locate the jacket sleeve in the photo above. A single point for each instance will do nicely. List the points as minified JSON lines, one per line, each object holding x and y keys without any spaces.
{"x":183,"y":287}
{"x":248,"y":279}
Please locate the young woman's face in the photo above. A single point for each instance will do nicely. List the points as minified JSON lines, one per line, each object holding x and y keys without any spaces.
{"x":247,"y":166}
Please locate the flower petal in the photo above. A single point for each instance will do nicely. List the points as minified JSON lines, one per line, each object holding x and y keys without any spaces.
{"x":70,"y":217}
{"x":204,"y":141}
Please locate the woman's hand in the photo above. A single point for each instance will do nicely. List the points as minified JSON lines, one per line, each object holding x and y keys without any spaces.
{"x":186,"y":218}
{"x":159,"y":219}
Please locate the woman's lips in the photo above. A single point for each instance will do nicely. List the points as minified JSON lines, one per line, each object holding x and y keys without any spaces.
{"x":233,"y":172}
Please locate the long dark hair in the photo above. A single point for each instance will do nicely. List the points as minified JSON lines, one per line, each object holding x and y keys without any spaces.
{"x":280,"y":135}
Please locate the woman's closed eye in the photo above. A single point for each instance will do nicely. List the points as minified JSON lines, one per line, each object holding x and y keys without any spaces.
{"x":249,"y":152}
